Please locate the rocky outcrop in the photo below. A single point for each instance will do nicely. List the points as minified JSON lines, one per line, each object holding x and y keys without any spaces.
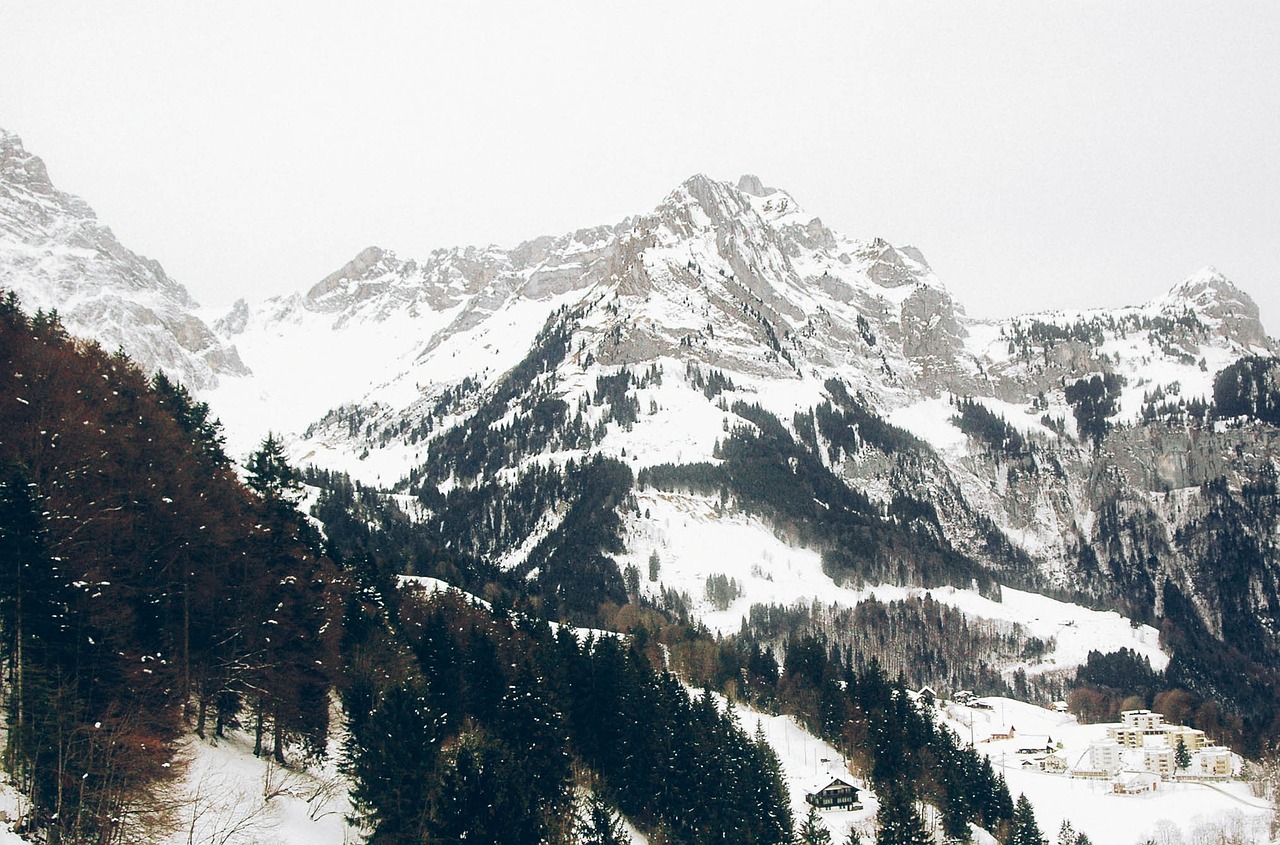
{"x":56,"y":255}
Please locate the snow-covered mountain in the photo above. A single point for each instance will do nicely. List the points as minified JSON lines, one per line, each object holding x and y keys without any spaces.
{"x":728,"y":410}
{"x":739,"y":279}
{"x":1054,"y":450}
{"x":1062,"y":452}
{"x":55,"y":254}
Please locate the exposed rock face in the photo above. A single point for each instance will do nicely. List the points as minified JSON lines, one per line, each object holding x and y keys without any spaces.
{"x":55,"y":254}
{"x":1231,"y":312}
{"x":739,"y":284}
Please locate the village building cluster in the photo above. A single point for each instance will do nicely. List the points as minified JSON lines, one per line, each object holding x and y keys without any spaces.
{"x":1143,"y":743}
{"x":1135,"y":755}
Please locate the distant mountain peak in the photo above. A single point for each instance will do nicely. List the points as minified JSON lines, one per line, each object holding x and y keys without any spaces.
{"x":749,"y":183}
{"x":55,"y":253}
{"x":19,"y":167}
{"x":1212,"y":295}
{"x":368,"y":262}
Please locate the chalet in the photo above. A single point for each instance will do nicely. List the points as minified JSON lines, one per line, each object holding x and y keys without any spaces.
{"x":835,"y":794}
{"x":1053,"y":764}
{"x":1135,"y":783}
{"x":996,"y":737}
{"x":927,"y":695}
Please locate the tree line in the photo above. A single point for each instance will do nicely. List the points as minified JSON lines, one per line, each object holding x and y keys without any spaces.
{"x":144,"y":589}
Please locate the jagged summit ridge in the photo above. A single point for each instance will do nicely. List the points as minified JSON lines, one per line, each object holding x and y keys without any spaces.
{"x":737,"y":276}
{"x":1216,"y":298}
{"x":55,"y":254}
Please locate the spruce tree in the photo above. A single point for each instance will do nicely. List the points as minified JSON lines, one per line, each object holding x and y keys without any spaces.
{"x":390,"y":754}
{"x":1024,"y":830}
{"x":600,"y":825}
{"x":898,"y":820}
{"x":813,"y":831}
{"x":270,"y":474}
{"x":1181,"y":756}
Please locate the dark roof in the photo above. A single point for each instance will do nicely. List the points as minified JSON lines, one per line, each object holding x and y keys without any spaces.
{"x":837,"y":783}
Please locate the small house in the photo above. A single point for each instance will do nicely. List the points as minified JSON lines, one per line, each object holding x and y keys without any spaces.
{"x":1054,"y":764}
{"x":997,"y":737}
{"x":836,"y":794}
{"x":1135,"y":783}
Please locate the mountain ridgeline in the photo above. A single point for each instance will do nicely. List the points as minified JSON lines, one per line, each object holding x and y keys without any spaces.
{"x":619,"y":428}
{"x":729,"y":349}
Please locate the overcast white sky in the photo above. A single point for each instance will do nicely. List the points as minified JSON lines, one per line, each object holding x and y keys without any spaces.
{"x":1042,"y":155}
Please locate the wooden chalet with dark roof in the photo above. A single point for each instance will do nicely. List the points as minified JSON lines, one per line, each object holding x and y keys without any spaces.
{"x":836,"y":794}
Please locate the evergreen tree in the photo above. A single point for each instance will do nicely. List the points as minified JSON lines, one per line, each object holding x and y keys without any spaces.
{"x":1181,"y":756}
{"x":600,"y":825}
{"x":812,"y":830}
{"x":480,"y":797}
{"x":390,"y":754}
{"x":898,"y":820}
{"x":270,"y":474}
{"x":1024,"y":830}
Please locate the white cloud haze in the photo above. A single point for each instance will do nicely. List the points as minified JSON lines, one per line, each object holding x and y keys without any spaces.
{"x":1041,"y":155}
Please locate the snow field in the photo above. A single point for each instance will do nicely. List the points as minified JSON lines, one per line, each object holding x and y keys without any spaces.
{"x":231,"y":797}
{"x":694,"y":539}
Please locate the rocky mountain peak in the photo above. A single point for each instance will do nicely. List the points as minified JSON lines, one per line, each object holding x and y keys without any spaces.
{"x":19,"y":167}
{"x":1231,"y":311}
{"x":337,"y":289}
{"x":54,"y":253}
{"x":749,"y":183}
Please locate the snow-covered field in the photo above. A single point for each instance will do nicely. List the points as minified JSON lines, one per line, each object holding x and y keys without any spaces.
{"x":232,"y":797}
{"x":694,"y":539}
